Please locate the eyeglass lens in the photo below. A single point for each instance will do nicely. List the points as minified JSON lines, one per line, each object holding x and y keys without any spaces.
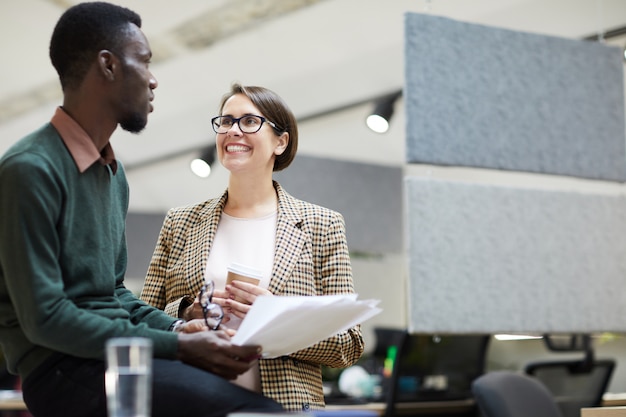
{"x":211,"y":310}
{"x":206,"y":293}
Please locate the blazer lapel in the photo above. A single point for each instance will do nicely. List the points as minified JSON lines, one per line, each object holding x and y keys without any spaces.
{"x":200,"y":237}
{"x":290,"y":240}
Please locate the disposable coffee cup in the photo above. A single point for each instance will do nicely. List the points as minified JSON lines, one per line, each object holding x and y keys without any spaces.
{"x":238,"y":272}
{"x":128,"y":377}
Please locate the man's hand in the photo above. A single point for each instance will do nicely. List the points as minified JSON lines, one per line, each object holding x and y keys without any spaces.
{"x":213,"y":352}
{"x":192,"y":326}
{"x":199,"y":325}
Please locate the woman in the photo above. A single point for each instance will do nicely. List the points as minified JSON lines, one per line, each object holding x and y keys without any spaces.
{"x":299,"y":248}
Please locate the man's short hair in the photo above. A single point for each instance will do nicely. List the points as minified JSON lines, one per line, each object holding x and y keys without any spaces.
{"x":82,"y":32}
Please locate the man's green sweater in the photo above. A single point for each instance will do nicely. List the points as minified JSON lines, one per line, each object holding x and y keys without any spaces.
{"x":63,"y":258}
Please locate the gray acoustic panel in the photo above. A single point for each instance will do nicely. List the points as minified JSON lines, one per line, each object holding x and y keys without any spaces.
{"x":486,"y":97}
{"x":368,"y":196}
{"x":490,"y":259}
{"x":142,"y":232}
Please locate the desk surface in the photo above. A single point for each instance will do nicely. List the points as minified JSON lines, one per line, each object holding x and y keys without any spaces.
{"x":458,"y":406}
{"x":421,"y":407}
{"x":414,"y":408}
{"x":12,"y":404}
{"x":13,"y":401}
{"x":603,"y":412}
{"x":614,"y":400}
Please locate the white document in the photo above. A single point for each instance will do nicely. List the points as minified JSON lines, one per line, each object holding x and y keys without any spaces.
{"x":283,"y":325}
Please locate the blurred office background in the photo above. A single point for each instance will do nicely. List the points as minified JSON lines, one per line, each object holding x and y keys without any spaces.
{"x":332,"y":60}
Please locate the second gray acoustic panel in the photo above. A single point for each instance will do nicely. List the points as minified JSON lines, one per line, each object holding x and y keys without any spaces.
{"x":368,"y":196}
{"x":487,"y":97}
{"x":494,"y":259}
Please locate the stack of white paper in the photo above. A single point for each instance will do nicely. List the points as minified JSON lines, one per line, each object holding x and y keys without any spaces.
{"x":283,"y":325}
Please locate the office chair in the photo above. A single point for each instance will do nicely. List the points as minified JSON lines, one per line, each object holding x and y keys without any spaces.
{"x":513,"y":394}
{"x":431,"y":367}
{"x":574,"y":383}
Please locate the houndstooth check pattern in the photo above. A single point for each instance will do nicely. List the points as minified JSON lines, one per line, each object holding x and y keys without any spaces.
{"x":311,"y":258}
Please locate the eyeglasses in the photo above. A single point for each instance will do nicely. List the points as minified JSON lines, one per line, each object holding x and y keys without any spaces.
{"x":247,"y":124}
{"x":209,"y":309}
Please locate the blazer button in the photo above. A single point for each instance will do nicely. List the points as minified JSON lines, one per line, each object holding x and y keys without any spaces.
{"x":306,"y":407}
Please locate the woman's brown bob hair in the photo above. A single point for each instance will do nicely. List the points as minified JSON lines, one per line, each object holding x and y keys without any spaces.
{"x":276,"y":110}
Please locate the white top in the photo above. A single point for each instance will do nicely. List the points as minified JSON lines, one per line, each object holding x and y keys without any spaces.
{"x":248,"y":242}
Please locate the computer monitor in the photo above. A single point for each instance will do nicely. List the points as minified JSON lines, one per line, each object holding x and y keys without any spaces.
{"x":428,"y":367}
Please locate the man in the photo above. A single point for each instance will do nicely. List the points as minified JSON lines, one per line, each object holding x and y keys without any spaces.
{"x":63,"y":203}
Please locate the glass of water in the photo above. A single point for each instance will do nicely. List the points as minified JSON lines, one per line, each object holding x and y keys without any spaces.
{"x":128,"y":378}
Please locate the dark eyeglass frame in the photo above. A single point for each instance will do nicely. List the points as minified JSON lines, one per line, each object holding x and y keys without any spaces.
{"x":236,"y":120}
{"x":206,"y":297}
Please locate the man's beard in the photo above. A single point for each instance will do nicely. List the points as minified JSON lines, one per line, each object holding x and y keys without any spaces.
{"x":134,"y":123}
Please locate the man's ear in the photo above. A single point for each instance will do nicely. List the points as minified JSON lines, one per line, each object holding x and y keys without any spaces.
{"x":107,"y":64}
{"x":283,"y":141}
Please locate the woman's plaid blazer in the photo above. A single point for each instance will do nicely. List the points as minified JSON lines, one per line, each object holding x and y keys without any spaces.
{"x":311,"y":258}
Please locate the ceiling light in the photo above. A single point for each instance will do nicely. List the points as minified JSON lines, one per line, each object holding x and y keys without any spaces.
{"x":379,"y":119}
{"x":201,"y":166}
{"x":516,"y":337}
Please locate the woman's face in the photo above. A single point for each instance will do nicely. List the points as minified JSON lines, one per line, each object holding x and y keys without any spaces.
{"x":248,"y":152}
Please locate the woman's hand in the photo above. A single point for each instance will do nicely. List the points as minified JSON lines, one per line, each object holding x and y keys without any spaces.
{"x":245,"y":294}
{"x":220,"y":297}
{"x":194,"y":311}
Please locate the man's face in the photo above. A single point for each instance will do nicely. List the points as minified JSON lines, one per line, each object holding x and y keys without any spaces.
{"x":135,"y":89}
